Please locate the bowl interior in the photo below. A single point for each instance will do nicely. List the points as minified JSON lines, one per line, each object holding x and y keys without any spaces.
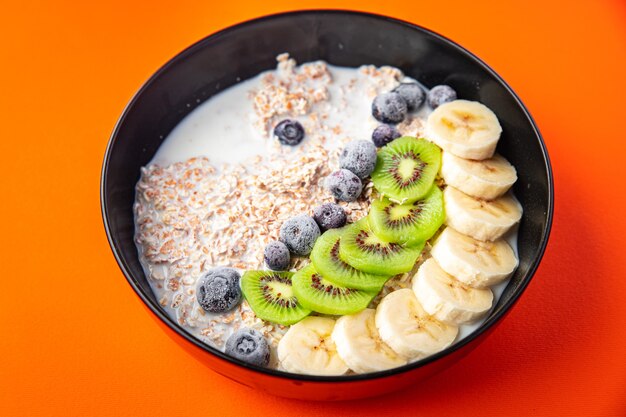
{"x":340,"y":38}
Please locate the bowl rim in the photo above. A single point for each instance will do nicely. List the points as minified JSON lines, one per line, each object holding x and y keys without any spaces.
{"x":171,"y":323}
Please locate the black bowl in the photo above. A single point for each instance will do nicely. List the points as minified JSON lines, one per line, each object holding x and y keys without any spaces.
{"x":340,"y":38}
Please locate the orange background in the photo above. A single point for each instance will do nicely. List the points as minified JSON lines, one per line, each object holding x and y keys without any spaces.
{"x":75,"y":340}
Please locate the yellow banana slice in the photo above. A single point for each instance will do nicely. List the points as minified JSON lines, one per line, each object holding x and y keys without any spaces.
{"x":486,"y":179}
{"x":481,"y":219}
{"x":473,"y":262}
{"x":409,"y":330}
{"x":467,"y":129}
{"x":307,"y":348}
{"x":360,"y":345}
{"x":447,"y":298}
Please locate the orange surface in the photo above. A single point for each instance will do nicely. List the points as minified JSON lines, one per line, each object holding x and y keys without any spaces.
{"x":76,"y":340}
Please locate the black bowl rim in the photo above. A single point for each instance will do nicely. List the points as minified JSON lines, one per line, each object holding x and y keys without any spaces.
{"x":491,"y":321}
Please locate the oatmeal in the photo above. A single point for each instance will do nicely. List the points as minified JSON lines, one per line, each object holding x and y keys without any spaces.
{"x":221,"y":186}
{"x":193,"y":214}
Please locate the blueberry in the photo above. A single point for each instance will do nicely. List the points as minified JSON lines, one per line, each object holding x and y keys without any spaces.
{"x":412,"y":93}
{"x":344,"y":185}
{"x":384,"y":134}
{"x":276,"y":256}
{"x":329,"y":216}
{"x":218,"y":290}
{"x":289,"y":132}
{"x":248,"y":345}
{"x":389,"y":108}
{"x":359,"y":156}
{"x":440,"y":94}
{"x":299,"y":234}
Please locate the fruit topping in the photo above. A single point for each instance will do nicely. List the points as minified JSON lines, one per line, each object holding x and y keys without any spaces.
{"x":359,"y":156}
{"x":218,"y":290}
{"x":440,"y":94}
{"x":317,"y":293}
{"x":448,"y":299}
{"x":389,"y":108}
{"x":409,"y":223}
{"x":299,"y":234}
{"x":383,"y":134}
{"x":344,"y":185}
{"x":409,"y":330}
{"x":327,"y":261}
{"x":475,"y":263}
{"x":270,"y":295}
{"x":360,"y":346}
{"x":289,"y":132}
{"x":481,"y":219}
{"x":276,"y":256}
{"x":365,"y":251}
{"x":467,"y":129}
{"x":329,"y":216}
{"x":307,"y":348}
{"x":406,"y":169}
{"x":250,"y":346}
{"x":486,"y":179}
{"x":412,"y":93}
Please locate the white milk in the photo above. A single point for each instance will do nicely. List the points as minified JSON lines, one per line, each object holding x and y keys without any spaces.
{"x":222,"y":127}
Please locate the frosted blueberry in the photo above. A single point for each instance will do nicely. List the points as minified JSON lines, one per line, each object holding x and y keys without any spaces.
{"x":412,"y":93}
{"x":359,"y":156}
{"x":218,"y":290}
{"x":389,"y":108}
{"x":329,"y":216}
{"x":344,"y":185}
{"x":248,"y":345}
{"x":299,"y":234}
{"x":440,"y":94}
{"x":384,"y":134}
{"x":276,"y":256}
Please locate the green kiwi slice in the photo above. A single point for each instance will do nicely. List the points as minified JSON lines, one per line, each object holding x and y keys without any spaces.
{"x":366,"y":251}
{"x":406,"y":169}
{"x":409,"y":223}
{"x":318,"y":294}
{"x":271,"y":296}
{"x":326,"y":259}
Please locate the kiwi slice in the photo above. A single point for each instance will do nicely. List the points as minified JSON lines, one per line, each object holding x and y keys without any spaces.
{"x":319,"y":294}
{"x":271,"y":296}
{"x":366,"y":251}
{"x":409,"y":223}
{"x":326,"y":259}
{"x":406,"y":169}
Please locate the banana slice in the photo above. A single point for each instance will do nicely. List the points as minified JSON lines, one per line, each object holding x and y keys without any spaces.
{"x":307,"y":348}
{"x":404,"y":325}
{"x":475,"y":263}
{"x":481,"y":219}
{"x":447,"y":298}
{"x":486,"y":179}
{"x":360,"y":345}
{"x":468,"y":129}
